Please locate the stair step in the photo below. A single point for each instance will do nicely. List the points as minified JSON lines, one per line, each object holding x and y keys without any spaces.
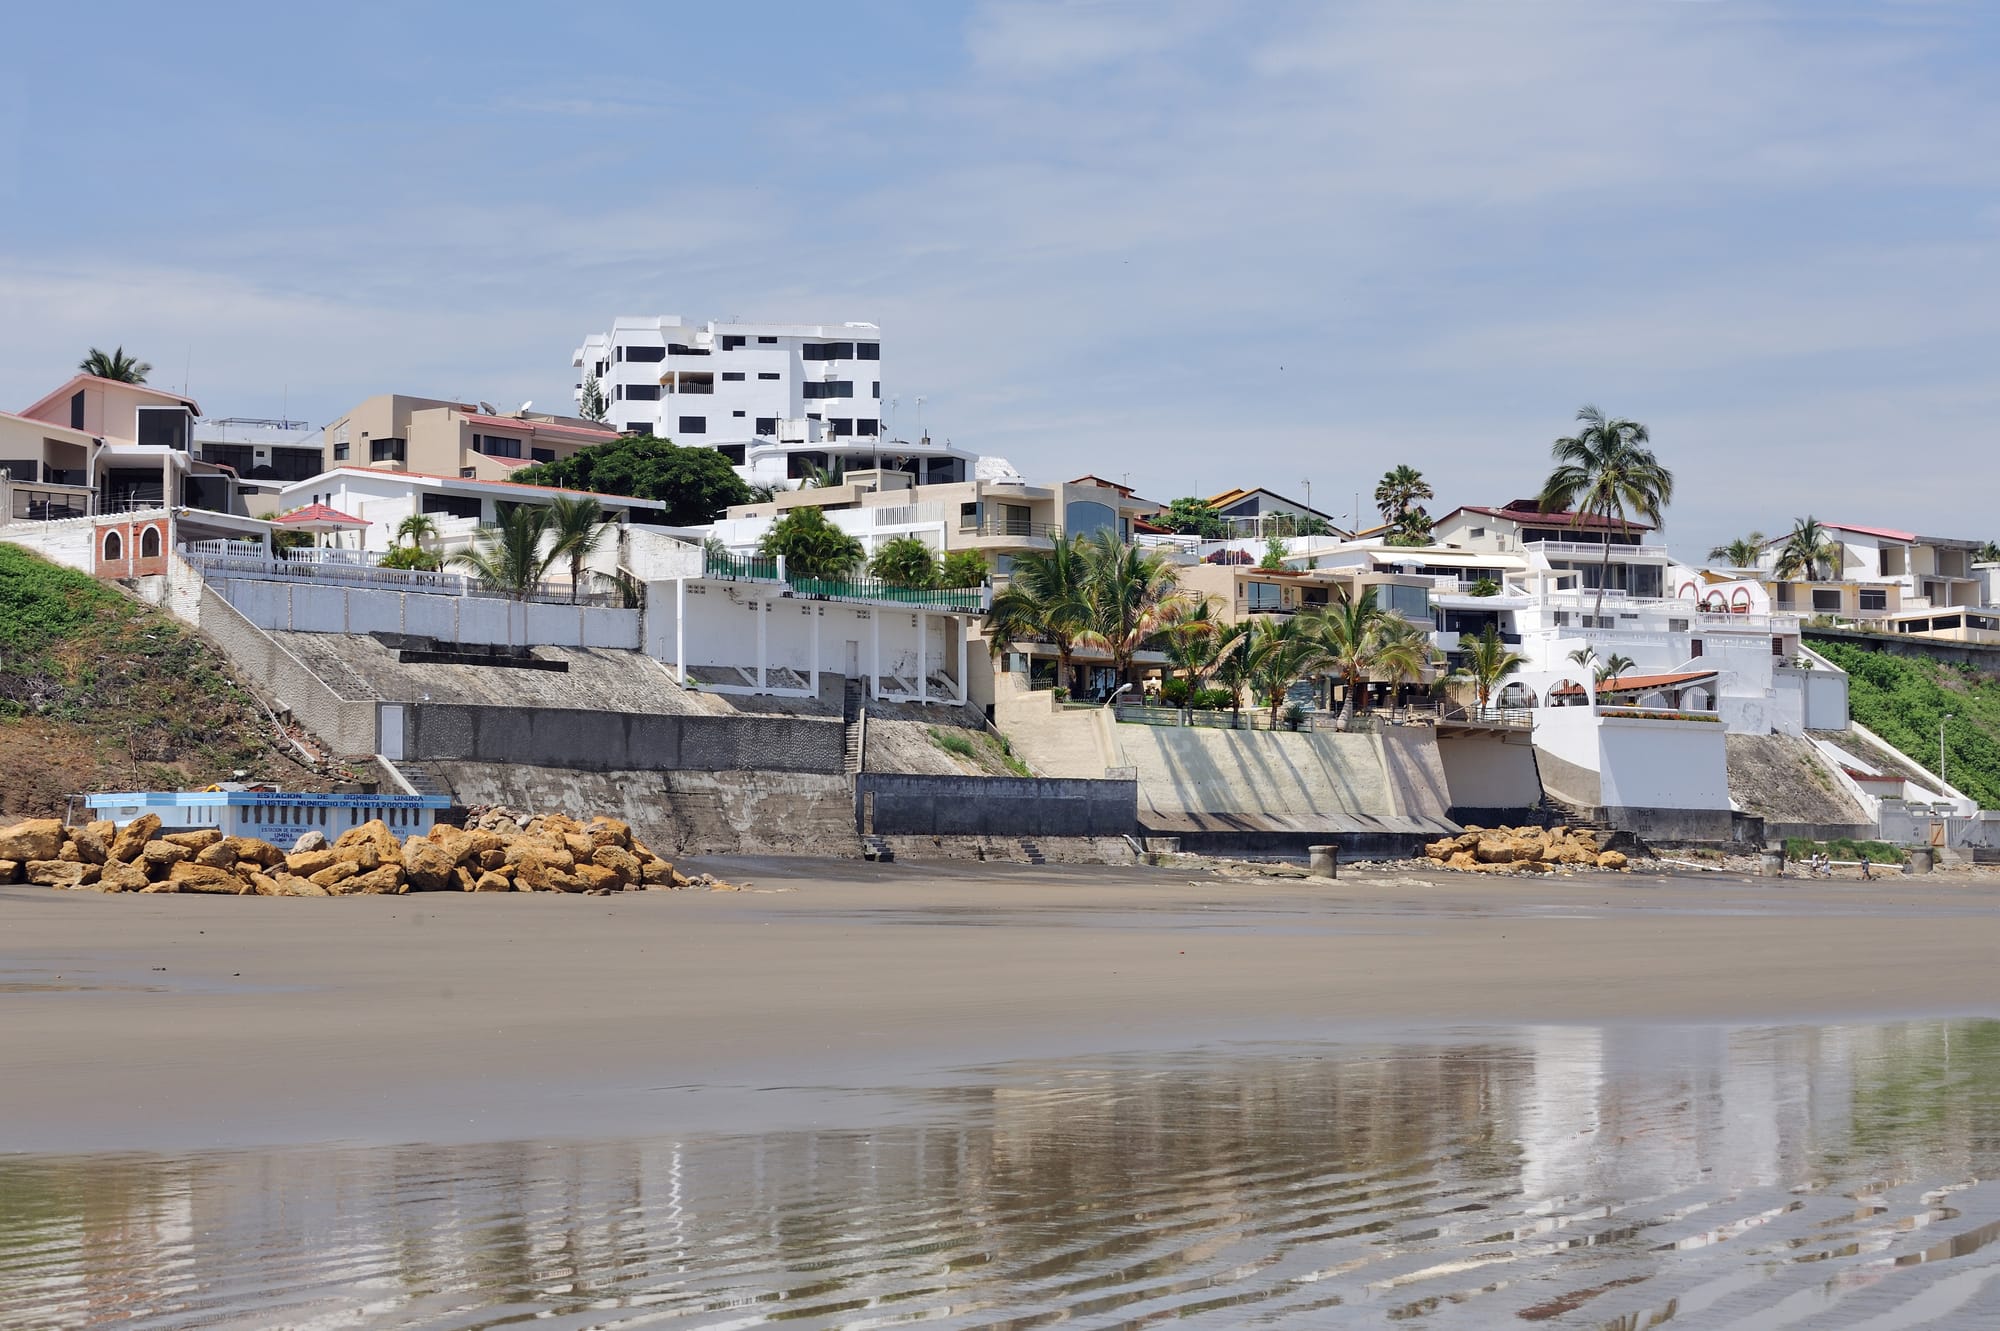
{"x":1032,"y":851}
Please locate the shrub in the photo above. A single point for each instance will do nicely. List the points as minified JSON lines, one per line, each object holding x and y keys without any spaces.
{"x":412,"y":557}
{"x":904,"y":562}
{"x":952,"y":741}
{"x":961,"y":568}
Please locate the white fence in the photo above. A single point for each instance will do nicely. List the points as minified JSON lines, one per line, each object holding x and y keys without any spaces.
{"x":354,"y":568}
{"x":314,"y":606}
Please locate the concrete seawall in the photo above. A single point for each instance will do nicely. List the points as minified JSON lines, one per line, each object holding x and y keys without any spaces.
{"x":610,"y":741}
{"x":908,"y":805}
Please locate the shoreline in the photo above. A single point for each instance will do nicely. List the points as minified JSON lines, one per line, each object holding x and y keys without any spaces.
{"x":451,"y":1016}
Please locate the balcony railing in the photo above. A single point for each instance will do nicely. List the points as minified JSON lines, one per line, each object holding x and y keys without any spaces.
{"x":1594,"y":550}
{"x":350,"y":568}
{"x":752,"y":568}
{"x":994,"y":524}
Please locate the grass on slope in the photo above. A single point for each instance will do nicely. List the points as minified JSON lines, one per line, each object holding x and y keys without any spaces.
{"x":1903,"y":698}
{"x":99,"y":692}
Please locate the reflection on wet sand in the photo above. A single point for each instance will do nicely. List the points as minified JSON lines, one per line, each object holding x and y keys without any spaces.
{"x":1621,"y":1178}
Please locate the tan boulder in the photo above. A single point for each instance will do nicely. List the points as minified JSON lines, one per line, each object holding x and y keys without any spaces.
{"x":192,"y":877}
{"x":161,"y":856}
{"x":132,"y":838}
{"x":604,"y":831}
{"x":554,"y":825}
{"x":291,"y":885}
{"x":386,"y":881}
{"x":1462,"y":860}
{"x":1493,"y":851}
{"x":263,"y":884}
{"x":337,"y":872}
{"x":489,"y":860}
{"x":464,"y":879}
{"x":164,"y":885}
{"x":216,"y":855}
{"x":428,"y":865}
{"x":657,"y":873}
{"x":365,"y":856}
{"x":68,"y":851}
{"x":620,"y":861}
{"x":1611,"y":859}
{"x":255,"y":850}
{"x":60,"y":873}
{"x":10,"y":871}
{"x":493,"y":882}
{"x":93,"y":840}
{"x":580,"y":846}
{"x":32,"y":839}
{"x":596,"y":878}
{"x":115,"y":876}
{"x":306,"y":863}
{"x":373,"y":833}
{"x":312,"y":839}
{"x":199,"y":839}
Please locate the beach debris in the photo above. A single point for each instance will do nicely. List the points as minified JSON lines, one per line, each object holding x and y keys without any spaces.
{"x":1522,"y":850}
{"x":497,"y":850}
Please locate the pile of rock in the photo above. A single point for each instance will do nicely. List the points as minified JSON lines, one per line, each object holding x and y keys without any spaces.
{"x":547,"y":854}
{"x":1522,"y":850}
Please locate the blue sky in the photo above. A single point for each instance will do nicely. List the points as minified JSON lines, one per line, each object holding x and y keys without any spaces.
{"x":1195,"y":245}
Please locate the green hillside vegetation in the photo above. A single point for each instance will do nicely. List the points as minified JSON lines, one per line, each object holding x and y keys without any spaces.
{"x":100,"y":692}
{"x":1903,"y":698}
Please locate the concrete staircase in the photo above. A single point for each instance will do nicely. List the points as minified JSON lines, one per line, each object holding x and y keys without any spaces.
{"x":850,"y":711}
{"x":1032,"y":852}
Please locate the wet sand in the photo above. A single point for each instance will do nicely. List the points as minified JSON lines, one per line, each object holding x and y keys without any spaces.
{"x":178,"y":1022}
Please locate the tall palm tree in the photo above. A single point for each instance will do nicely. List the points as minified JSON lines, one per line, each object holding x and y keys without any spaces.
{"x":115,"y":365}
{"x":1487,"y":662}
{"x":1188,"y":633}
{"x":1743,"y":552}
{"x":417,"y":529}
{"x":1233,"y":668}
{"x":1348,"y":639}
{"x":1988,"y":553}
{"x":1605,"y":471}
{"x":577,"y":529}
{"x":1124,"y":589}
{"x":1399,"y":489}
{"x":1402,"y":652}
{"x":1615,"y":667}
{"x":1282,"y":650}
{"x":1808,"y":552}
{"x":1043,"y":599}
{"x":508,"y":556}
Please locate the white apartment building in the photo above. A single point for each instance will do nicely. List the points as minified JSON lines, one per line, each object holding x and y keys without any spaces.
{"x":779,"y":400}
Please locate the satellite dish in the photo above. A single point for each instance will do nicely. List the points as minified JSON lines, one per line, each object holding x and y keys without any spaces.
{"x":488,"y":408}
{"x":524,"y":407}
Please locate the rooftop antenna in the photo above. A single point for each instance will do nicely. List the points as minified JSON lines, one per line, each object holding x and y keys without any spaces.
{"x":488,"y":407}
{"x":920,"y":419}
{"x":524,"y":407}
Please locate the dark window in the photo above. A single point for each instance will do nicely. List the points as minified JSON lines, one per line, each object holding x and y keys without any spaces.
{"x":239,"y":458}
{"x":833,"y":388}
{"x":676,"y":349}
{"x":1874,"y":600}
{"x":842,"y":429}
{"x":868,"y":351}
{"x":877,"y":390}
{"x":76,"y":410}
{"x":865,"y":426}
{"x":20,"y":469}
{"x":738,"y":413}
{"x":767,"y":341}
{"x":732,"y":376}
{"x":1262,"y":596}
{"x":292,"y":464}
{"x":164,"y":427}
{"x":812,"y":415}
{"x":149,"y":543}
{"x":1694,"y":647}
{"x":452,"y":506}
{"x":113,"y":547}
{"x":496,"y":446}
{"x":769,"y":375}
{"x":644,"y":353}
{"x":694,"y":425}
{"x":340,"y":452}
{"x":767,"y":425}
{"x":642,"y":392}
{"x":618,"y":353}
{"x":618,"y":392}
{"x":1784,"y":593}
{"x":542,"y":454}
{"x":1826,"y":598}
{"x":732,"y":454}
{"x":387,"y":450}
{"x":1777,"y":646}
{"x":730,"y":342}
{"x":827,"y":351}
{"x":638,"y":427}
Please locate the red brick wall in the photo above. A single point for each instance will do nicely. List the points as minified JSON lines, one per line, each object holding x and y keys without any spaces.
{"x":129,"y":549}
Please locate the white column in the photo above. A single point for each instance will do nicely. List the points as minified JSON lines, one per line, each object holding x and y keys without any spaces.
{"x":875,"y":653}
{"x":761,"y":607}
{"x":814,"y":611}
{"x":964,"y":625}
{"x":681,"y":629}
{"x":923,"y":673}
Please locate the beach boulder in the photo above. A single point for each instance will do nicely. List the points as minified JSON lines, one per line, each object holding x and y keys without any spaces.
{"x":160,"y":856}
{"x":116,"y":876}
{"x":61,"y":873}
{"x":93,"y":841}
{"x":306,"y":863}
{"x":370,"y":845}
{"x":132,"y":838}
{"x":31,"y":840}
{"x":201,"y":838}
{"x":384,"y":881}
{"x":255,"y":850}
{"x":10,"y":871}
{"x":216,"y":855}
{"x":334,"y":874}
{"x":428,"y":865}
{"x":189,"y":876}
{"x":1611,"y":859}
{"x":621,"y":862}
{"x":493,"y":882}
{"x":312,"y":840}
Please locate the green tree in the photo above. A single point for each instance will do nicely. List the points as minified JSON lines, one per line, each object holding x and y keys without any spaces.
{"x":411,"y":557}
{"x":1190,"y":516}
{"x":1348,"y":636}
{"x":1988,"y":553}
{"x":1743,"y":552}
{"x":419,"y":529}
{"x":1605,"y":471}
{"x":824,"y":478}
{"x":1189,"y":634}
{"x":1043,"y":601}
{"x":1124,"y":589}
{"x":1282,"y":651}
{"x":1233,"y":669}
{"x":1487,"y":662}
{"x":904,"y":562}
{"x":696,"y":484}
{"x":115,"y":365}
{"x":592,"y":406}
{"x":961,"y":568}
{"x":811,"y":546}
{"x":577,"y":529}
{"x":1399,"y":490}
{"x":1410,"y":527}
{"x":1403,"y":651}
{"x":508,"y":556}
{"x":1808,"y":552}
{"x":1274,"y":554}
{"x":1614,"y":667}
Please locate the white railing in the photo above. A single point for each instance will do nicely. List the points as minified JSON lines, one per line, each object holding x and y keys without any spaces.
{"x":904,"y":515}
{"x":221,"y":562}
{"x":1595,"y":550}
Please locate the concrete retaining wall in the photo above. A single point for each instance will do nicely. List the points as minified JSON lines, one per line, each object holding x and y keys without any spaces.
{"x":311,"y":607}
{"x":1820,"y":831}
{"x":345,"y":725}
{"x":906,"y":805}
{"x":606,"y":741}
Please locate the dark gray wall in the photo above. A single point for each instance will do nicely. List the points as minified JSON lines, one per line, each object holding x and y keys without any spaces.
{"x":607,"y":741}
{"x":1004,"y":806}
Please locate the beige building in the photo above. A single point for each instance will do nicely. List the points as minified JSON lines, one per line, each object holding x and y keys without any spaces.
{"x":433,"y":437}
{"x":101,"y":446}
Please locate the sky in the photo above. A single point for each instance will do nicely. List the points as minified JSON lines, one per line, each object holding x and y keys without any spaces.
{"x":1185,"y":245}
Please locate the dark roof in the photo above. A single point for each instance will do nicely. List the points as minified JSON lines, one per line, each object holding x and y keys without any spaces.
{"x":1529,"y":510}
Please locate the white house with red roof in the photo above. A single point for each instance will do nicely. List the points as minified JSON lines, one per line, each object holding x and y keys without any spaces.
{"x":1884,"y":574}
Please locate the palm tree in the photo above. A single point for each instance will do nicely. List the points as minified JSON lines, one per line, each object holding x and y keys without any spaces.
{"x":1281,"y":651}
{"x":1233,"y":666}
{"x":811,"y":546}
{"x":1487,"y":662}
{"x":1402,"y":652}
{"x":824,"y":478}
{"x":1614,"y":667}
{"x":1350,"y":644}
{"x":1043,"y":599}
{"x":1808,"y":552}
{"x":1605,"y":471}
{"x":1988,"y":553}
{"x":577,"y":525}
{"x":508,"y":556}
{"x":1584,"y":658}
{"x":1399,"y":489}
{"x":1743,"y":552}
{"x":1411,"y":527}
{"x":1124,"y":590}
{"x":1188,"y":633}
{"x":417,"y":529}
{"x":115,"y":365}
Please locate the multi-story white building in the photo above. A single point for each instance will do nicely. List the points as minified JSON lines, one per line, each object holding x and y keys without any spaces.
{"x":779,"y":400}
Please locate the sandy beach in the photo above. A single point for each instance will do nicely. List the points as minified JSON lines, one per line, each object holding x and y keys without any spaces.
{"x":186,"y":1022}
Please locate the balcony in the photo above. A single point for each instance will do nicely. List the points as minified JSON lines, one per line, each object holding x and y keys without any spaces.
{"x":1593,"y":550}
{"x":754,"y":568}
{"x":999,"y":525}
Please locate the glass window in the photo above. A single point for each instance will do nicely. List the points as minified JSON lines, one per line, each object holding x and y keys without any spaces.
{"x":1263,"y":595}
{"x":1086,"y":517}
{"x":767,"y":425}
{"x":642,"y":392}
{"x":1826,"y":598}
{"x":771,"y":375}
{"x":496,"y":446}
{"x":340,"y":452}
{"x":385,"y":450}
{"x":868,"y":351}
{"x":732,"y":376}
{"x":737,"y":414}
{"x":1874,"y":600}
{"x":767,"y":341}
{"x":694,"y":425}
{"x":865,"y":426}
{"x":164,"y":427}
{"x":76,"y":410}
{"x":831,"y":389}
{"x":542,"y":454}
{"x":730,"y":342}
{"x":644,"y":353}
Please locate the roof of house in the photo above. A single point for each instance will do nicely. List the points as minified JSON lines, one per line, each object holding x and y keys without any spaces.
{"x":320,"y":514}
{"x":538,"y":427}
{"x":1643,"y":683}
{"x":1886,"y":533}
{"x":468,"y":482}
{"x":46,"y":425}
{"x":1228,"y":497}
{"x":76,"y":379}
{"x":1528,"y":510}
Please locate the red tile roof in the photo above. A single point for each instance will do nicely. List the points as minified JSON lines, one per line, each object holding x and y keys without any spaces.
{"x":539,"y":427}
{"x":1524,"y":510}
{"x":1886,"y":533}
{"x":1642,"y":683}
{"x":312,"y":513}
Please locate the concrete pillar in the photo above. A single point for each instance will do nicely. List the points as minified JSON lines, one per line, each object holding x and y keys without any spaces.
{"x":964,"y":626}
{"x":1325,"y":861}
{"x":875,"y":654}
{"x":814,"y":612}
{"x":681,"y":629}
{"x":762,"y":608}
{"x":923,"y":666}
{"x":1771,"y":864}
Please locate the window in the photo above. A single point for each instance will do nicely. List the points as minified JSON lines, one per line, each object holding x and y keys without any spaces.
{"x":767,"y":425}
{"x":680,"y":349}
{"x":1263,"y":596}
{"x":496,"y":446}
{"x":1784,"y":593}
{"x":694,"y":425}
{"x":876,"y":390}
{"x":1826,"y":599}
{"x":1777,"y":646}
{"x":637,"y":427}
{"x":1677,"y":626}
{"x":642,"y":392}
{"x":113,"y":547}
{"x":1694,"y":647}
{"x":737,"y":414}
{"x":865,"y":426}
{"x":76,"y":410}
{"x":842,"y":428}
{"x":730,"y":342}
{"x":452,"y":506}
{"x":732,"y":376}
{"x":164,"y":427}
{"x":868,"y":351}
{"x":832,"y":388}
{"x":542,"y":454}
{"x":1476,"y":532}
{"x":827,"y":351}
{"x":1874,"y":600}
{"x":968,"y":516}
{"x":385,"y":450}
{"x":732,"y":454}
{"x":644,"y":353}
{"x":767,"y":341}
{"x":771,"y":376}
